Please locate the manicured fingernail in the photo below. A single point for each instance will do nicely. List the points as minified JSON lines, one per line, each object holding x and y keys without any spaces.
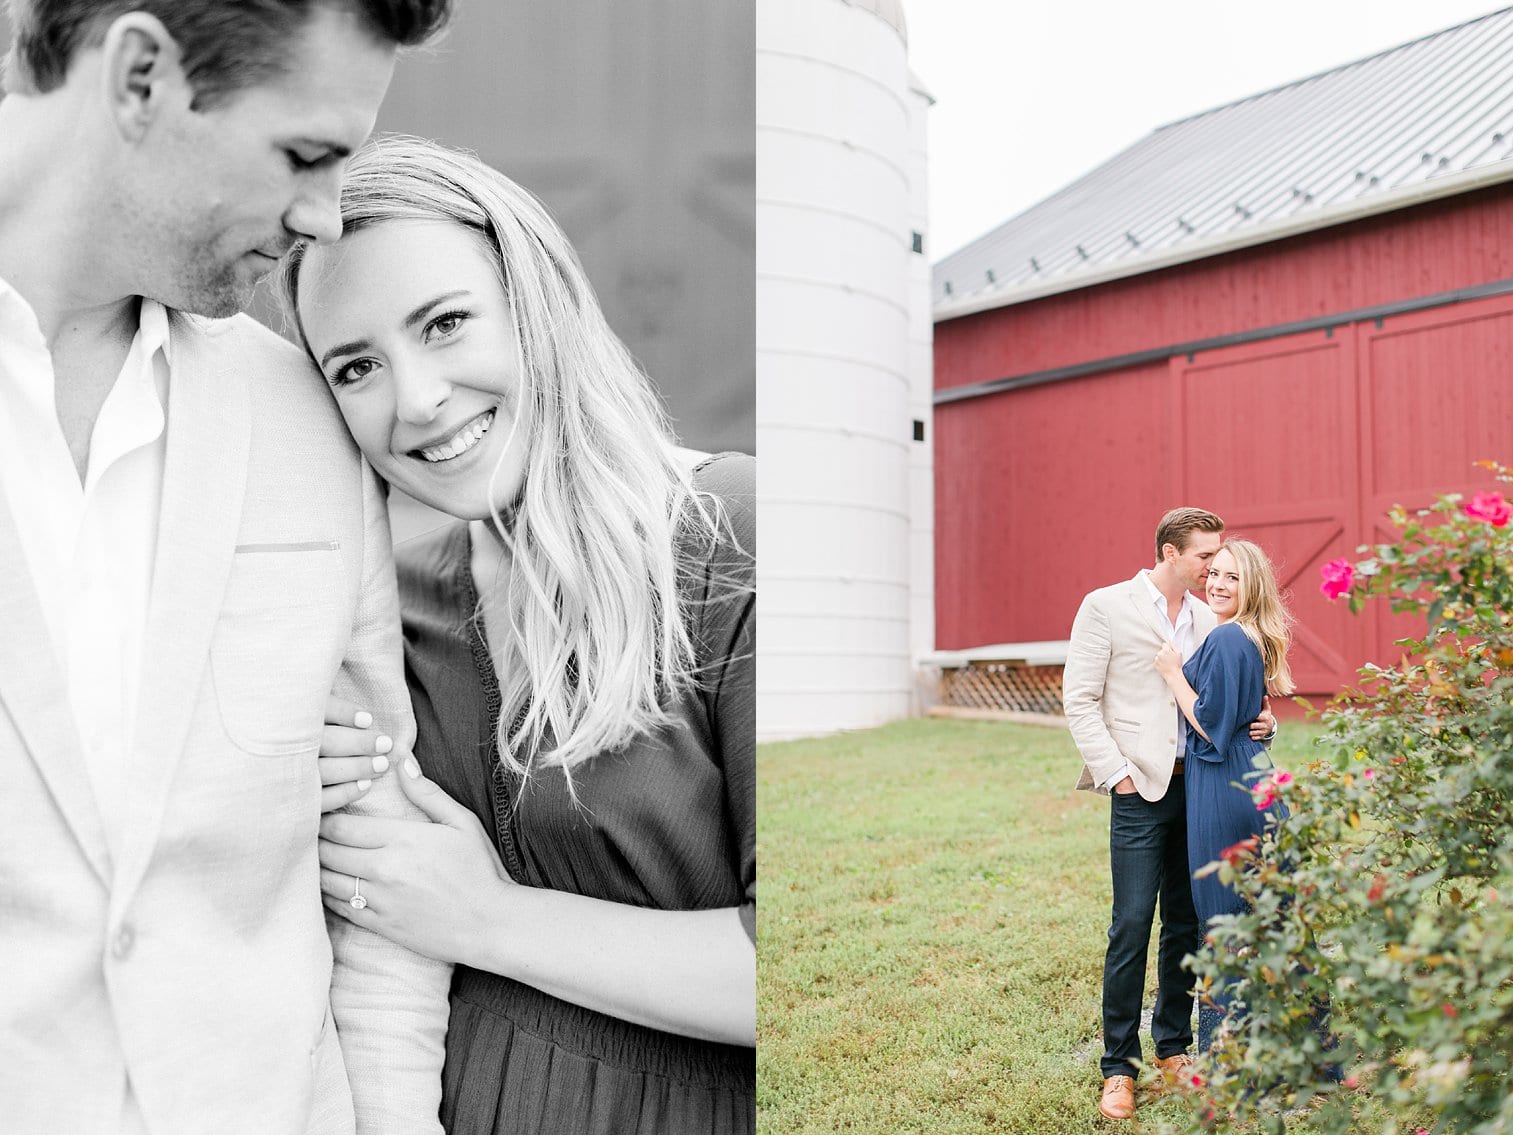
{"x":383,"y":744}
{"x":380,"y":764}
{"x":412,"y":770}
{"x":362,"y":719}
{"x":364,"y":785}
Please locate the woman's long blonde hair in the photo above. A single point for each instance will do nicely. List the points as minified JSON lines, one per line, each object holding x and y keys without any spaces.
{"x":592,"y":636}
{"x":1260,"y":613}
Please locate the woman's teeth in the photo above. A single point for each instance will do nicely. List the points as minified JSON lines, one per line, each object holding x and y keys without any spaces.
{"x":462,"y":441}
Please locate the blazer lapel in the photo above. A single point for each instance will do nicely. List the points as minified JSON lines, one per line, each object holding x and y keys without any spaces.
{"x":204,"y":480}
{"x":1140,"y":597}
{"x":33,"y":693}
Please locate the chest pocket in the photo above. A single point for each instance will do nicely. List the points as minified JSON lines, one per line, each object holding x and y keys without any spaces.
{"x":282,"y":631}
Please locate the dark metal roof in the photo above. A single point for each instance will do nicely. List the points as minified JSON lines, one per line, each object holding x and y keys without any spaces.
{"x":1427,"y":119}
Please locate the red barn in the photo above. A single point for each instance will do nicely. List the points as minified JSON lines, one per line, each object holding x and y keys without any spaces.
{"x":1295,"y":310}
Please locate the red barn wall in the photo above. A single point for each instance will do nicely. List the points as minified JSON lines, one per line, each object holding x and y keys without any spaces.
{"x":1301,"y":443}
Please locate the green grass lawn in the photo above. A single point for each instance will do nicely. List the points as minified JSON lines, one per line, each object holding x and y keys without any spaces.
{"x":935,"y":900}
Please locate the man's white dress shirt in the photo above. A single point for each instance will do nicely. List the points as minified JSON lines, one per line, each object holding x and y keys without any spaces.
{"x":1180,"y":635}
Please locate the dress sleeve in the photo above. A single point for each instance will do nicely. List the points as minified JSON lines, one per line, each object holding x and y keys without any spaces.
{"x":1225,"y":668}
{"x":729,"y":655}
{"x":735,"y":717}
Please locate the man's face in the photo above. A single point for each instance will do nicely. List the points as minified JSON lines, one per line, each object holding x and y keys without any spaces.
{"x":1191,"y":563}
{"x":231,"y":188}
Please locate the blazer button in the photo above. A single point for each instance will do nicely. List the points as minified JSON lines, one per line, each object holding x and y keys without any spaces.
{"x":1171,"y":740}
{"x":122,"y":943}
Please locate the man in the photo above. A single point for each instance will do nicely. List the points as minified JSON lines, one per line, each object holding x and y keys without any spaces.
{"x":191,"y":557}
{"x":1132,"y":736}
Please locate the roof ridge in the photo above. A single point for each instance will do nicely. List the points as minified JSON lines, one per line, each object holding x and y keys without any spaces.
{"x":1425,"y":119}
{"x":1333,"y":70}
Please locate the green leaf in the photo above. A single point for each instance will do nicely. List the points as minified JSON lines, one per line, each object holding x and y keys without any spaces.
{"x":1436,"y":609}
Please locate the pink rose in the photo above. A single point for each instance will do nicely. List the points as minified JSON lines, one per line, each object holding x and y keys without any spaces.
{"x":1338,"y":576}
{"x":1265,"y":794}
{"x":1369,"y":773}
{"x":1491,"y":508}
{"x":1281,"y":778}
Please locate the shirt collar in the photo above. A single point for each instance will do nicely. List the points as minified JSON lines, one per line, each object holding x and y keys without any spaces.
{"x":152,"y":326}
{"x":19,"y":318}
{"x":1160,"y":600}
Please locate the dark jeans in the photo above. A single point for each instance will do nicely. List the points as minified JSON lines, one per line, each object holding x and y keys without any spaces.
{"x":1148,"y":858}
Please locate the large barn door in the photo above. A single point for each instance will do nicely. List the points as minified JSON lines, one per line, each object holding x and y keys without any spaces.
{"x":1271,"y":445}
{"x":1436,"y":396}
{"x":1305,"y":443}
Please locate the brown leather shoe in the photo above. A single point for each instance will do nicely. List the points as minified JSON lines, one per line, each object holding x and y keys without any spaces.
{"x":1175,"y":1072}
{"x":1118,"y":1099}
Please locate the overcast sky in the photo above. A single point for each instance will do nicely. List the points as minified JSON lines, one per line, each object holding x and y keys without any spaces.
{"x":1031,"y":94}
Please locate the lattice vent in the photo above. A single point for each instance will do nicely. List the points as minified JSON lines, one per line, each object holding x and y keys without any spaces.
{"x":1011,"y":686}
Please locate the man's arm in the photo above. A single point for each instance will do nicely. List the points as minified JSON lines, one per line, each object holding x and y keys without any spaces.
{"x":1082,"y":684}
{"x":1264,"y":728}
{"x":390,"y":1004}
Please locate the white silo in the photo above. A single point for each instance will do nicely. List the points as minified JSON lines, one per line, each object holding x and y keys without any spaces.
{"x":921,"y":402}
{"x":834,"y":423}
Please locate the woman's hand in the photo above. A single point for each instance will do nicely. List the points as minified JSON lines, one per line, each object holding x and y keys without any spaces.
{"x":430,"y":887}
{"x":440,"y":889}
{"x":352,"y":753}
{"x":1169,"y":661}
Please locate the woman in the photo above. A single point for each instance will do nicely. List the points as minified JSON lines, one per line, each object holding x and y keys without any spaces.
{"x":578,"y":649}
{"x":1220,"y":691}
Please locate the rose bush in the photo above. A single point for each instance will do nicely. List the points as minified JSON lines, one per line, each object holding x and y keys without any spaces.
{"x":1387,"y":897}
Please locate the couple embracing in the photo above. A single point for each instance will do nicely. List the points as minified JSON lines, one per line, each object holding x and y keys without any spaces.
{"x":1165,"y":696}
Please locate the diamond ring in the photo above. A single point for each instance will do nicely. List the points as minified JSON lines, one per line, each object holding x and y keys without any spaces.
{"x":357,"y":901}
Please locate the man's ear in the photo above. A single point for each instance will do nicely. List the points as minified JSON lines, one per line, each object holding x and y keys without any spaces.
{"x":142,"y":72}
{"x":1169,"y":552}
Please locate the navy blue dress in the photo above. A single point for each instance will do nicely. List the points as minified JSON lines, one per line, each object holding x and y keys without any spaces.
{"x":1230,"y":679}
{"x":667,"y":822}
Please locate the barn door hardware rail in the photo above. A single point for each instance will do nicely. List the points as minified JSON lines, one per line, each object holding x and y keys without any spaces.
{"x":1325,"y":323}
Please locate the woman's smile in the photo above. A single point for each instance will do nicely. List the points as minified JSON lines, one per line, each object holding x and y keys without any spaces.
{"x":460,"y":442}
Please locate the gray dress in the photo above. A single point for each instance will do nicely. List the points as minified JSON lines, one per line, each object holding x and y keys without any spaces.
{"x":666,"y":823}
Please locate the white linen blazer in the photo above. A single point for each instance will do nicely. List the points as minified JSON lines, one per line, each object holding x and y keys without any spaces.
{"x":1116,"y":704}
{"x":197,"y":960}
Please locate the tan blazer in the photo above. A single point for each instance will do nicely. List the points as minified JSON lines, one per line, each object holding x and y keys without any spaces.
{"x":195,"y":959}
{"x":1118,"y":708}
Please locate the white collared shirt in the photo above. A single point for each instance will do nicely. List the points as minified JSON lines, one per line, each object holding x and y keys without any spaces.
{"x":89,"y":547}
{"x":1180,"y":635}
